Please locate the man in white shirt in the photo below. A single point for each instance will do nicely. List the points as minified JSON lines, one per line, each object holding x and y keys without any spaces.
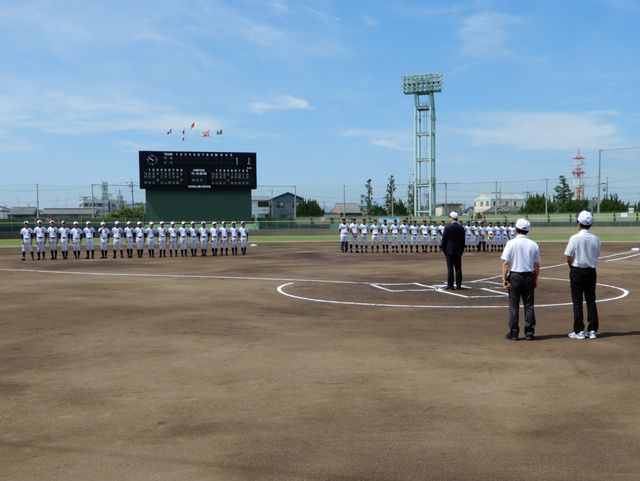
{"x":520,"y":271}
{"x":375,"y":239}
{"x":353,"y":228}
{"x":104,"y":232}
{"x":173,"y":239}
{"x":52,"y":234}
{"x":76,"y":239}
{"x":582,"y":254}
{"x":214,"y":233}
{"x":244,"y":237}
{"x":40,"y":233}
{"x":139,"y":233}
{"x":64,"y":233}
{"x":224,"y":245}
{"x":413,"y":231}
{"x":150,"y":233}
{"x":193,"y":235}
{"x":233,"y":233}
{"x":128,"y":234}
{"x":204,"y":238}
{"x":343,"y":229}
{"x":89,"y":233}
{"x":184,"y":233}
{"x":116,"y":234}
{"x":395,"y":229}
{"x":384,"y":229}
{"x":404,"y":236}
{"x":364,"y":236}
{"x":162,"y":240}
{"x":26,"y":234}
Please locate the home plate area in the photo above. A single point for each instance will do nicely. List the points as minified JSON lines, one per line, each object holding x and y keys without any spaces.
{"x":481,"y":293}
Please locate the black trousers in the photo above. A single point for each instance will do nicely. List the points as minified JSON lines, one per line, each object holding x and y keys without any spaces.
{"x":583,"y":284}
{"x":454,"y":263}
{"x":522,"y":287}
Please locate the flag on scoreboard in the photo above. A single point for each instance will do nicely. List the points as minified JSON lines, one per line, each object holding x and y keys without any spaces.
{"x":194,"y":124}
{"x":183,"y":134}
{"x":219,"y":132}
{"x":206,"y":133}
{"x":169,"y":132}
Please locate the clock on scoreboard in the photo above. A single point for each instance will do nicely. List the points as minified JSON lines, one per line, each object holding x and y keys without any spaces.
{"x":197,"y":170}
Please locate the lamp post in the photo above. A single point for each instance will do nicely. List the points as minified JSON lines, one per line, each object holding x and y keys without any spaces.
{"x":600,"y":167}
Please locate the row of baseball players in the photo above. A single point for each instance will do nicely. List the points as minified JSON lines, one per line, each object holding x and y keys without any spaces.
{"x":173,"y":238}
{"x":403,"y":237}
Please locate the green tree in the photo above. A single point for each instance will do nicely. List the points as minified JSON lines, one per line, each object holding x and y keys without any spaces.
{"x":399,"y":208}
{"x":389,"y":196}
{"x":378,"y":210}
{"x":613,"y":204}
{"x":563,"y":196}
{"x":127,"y":213}
{"x":366,"y":199}
{"x":535,"y":204}
{"x":309,"y":208}
{"x":410,"y":197}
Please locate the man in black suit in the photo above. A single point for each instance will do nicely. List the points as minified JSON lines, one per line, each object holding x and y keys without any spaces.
{"x":453,"y":247}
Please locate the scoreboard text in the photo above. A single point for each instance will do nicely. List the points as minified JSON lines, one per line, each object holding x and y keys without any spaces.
{"x":197,"y":170}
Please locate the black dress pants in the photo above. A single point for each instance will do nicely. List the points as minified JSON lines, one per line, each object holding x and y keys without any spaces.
{"x":583,"y":283}
{"x":454,"y":262}
{"x":522,"y":287}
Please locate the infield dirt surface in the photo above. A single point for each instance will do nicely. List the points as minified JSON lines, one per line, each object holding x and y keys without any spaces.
{"x":249,"y":368}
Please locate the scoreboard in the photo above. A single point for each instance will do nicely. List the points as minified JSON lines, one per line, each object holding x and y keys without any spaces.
{"x":197,"y":170}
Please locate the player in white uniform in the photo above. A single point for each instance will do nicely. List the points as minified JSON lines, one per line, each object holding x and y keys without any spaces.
{"x":364,"y":235}
{"x":162,"y":240}
{"x":103,"y":234}
{"x":433,"y":237}
{"x":76,"y":239}
{"x":384,"y":228}
{"x":490,"y":237}
{"x":172,"y":232}
{"x":404,"y":236}
{"x":233,"y":233}
{"x":375,"y":236}
{"x":40,"y":233}
{"x":151,"y":239}
{"x":468,"y":237}
{"x":343,"y":229}
{"x":244,"y":237}
{"x":26,"y":234}
{"x":482,"y":231}
{"x":353,"y":240}
{"x":395,"y":230}
{"x":52,"y":235}
{"x":139,"y":234}
{"x":116,"y":233}
{"x":184,"y":233}
{"x":503,"y":236}
{"x":511,"y":231}
{"x":203,"y":234}
{"x":129,"y":234}
{"x":413,"y":231}
{"x":214,"y":233}
{"x":440,"y":233}
{"x":64,"y":233}
{"x":224,"y":246}
{"x":89,"y":234}
{"x":193,"y":236}
{"x":424,"y":234}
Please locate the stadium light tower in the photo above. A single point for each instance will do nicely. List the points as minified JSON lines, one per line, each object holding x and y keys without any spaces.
{"x":422,"y":87}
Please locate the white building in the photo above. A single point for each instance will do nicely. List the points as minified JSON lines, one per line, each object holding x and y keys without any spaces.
{"x":103,"y":204}
{"x":502,"y":203}
{"x":4,"y":212}
{"x":260,"y":207}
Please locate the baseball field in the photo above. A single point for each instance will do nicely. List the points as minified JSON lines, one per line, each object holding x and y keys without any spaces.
{"x":297,"y":362}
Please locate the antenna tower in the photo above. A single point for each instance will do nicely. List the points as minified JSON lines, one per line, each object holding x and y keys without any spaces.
{"x":578,"y":176}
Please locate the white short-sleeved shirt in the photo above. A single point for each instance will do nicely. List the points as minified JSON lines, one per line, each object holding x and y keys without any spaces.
{"x":584,"y":247}
{"x":26,"y":233}
{"x":522,"y":254}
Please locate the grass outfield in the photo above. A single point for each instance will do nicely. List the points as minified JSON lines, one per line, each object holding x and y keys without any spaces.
{"x":543,"y":234}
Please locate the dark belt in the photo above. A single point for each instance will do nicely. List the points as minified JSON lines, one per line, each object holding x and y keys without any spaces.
{"x":584,"y":268}
{"x":523,"y":274}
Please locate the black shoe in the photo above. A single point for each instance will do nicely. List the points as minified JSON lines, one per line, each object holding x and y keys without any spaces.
{"x":529,"y":337}
{"x":449,"y":288}
{"x":511,"y":337}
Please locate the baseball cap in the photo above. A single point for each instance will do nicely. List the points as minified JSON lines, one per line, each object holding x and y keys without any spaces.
{"x":523,"y":224}
{"x":453,"y":214}
{"x":585,"y":217}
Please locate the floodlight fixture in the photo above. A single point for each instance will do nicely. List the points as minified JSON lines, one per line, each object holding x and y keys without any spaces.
{"x":423,"y":83}
{"x":422,"y":87}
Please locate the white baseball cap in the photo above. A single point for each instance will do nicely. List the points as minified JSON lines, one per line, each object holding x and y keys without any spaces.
{"x":585,"y":217}
{"x":453,"y":214}
{"x":523,"y":224}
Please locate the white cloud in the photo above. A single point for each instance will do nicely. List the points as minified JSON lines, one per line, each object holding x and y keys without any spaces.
{"x":381,"y":138}
{"x":284,"y":102}
{"x":487,"y":35}
{"x":544,"y":130}
{"x":370,"y":21}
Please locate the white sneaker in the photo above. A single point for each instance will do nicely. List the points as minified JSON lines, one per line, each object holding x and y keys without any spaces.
{"x":577,"y":335}
{"x":592,"y":335}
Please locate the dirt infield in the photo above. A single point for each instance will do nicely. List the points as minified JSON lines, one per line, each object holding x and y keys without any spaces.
{"x":298,"y":362}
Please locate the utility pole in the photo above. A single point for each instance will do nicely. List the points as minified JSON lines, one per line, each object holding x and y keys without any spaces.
{"x":37,"y":201}
{"x":132,"y":202}
{"x":546,"y":197}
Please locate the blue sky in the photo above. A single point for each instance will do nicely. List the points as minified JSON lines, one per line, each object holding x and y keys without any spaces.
{"x":314,"y":87}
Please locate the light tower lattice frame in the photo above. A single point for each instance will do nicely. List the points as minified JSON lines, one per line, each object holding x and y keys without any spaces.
{"x":423,"y":87}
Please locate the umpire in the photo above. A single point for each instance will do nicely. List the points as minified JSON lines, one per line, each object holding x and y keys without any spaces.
{"x":453,"y":247}
{"x":520,"y":271}
{"x":582,"y":254}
